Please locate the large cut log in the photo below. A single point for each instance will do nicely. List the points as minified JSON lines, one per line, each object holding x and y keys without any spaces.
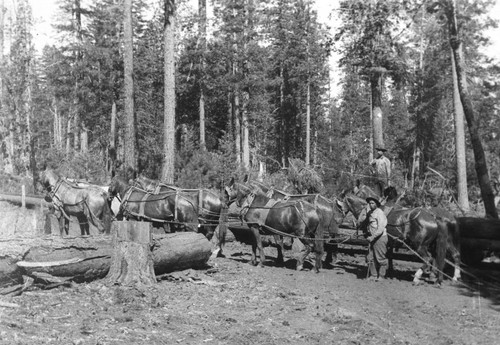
{"x":479,"y":228}
{"x":87,"y":259}
{"x":132,"y":262}
{"x":180,"y":250}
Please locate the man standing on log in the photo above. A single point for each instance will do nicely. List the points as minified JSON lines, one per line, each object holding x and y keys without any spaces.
{"x":382,"y":166}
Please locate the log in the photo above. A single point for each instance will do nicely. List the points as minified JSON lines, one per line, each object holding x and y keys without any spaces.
{"x":87,"y":259}
{"x":483,"y":228}
{"x":180,"y":250}
{"x":30,"y":200}
{"x":132,"y":262}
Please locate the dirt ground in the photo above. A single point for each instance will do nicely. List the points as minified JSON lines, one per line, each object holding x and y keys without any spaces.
{"x":232,"y":302}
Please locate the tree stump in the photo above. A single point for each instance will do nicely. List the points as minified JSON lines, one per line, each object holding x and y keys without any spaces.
{"x":132,"y":260}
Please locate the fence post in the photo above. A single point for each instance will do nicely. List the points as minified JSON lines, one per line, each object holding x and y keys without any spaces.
{"x":23,"y":196}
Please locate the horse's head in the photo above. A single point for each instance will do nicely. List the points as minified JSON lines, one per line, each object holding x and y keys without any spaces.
{"x":390,"y":193}
{"x":47,"y":179}
{"x":236,"y":192}
{"x":354,"y":204}
{"x":117,"y":186}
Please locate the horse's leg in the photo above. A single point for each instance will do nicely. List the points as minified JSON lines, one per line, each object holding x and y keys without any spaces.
{"x":426,"y":257}
{"x":456,"y":260}
{"x":390,"y":259}
{"x":257,"y":243}
{"x":84,"y":225}
{"x":279,"y":248}
{"x":62,"y":225}
{"x":332,"y":249}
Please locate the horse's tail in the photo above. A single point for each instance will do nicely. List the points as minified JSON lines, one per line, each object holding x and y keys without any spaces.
{"x":106,"y":215}
{"x":222,"y":226}
{"x":453,"y":245}
{"x":103,"y":221}
{"x":319,"y":237}
{"x":441,"y":247}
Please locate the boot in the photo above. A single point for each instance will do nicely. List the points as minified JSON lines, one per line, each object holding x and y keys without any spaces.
{"x":382,"y":273}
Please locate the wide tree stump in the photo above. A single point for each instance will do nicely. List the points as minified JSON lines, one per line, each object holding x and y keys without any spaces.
{"x":132,"y":261}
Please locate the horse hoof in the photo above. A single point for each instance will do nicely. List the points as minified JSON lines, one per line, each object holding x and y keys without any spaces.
{"x":300,"y":267}
{"x":416,"y":282}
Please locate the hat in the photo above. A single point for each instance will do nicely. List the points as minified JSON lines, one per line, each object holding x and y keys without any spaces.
{"x":380,"y":149}
{"x":373,"y":199}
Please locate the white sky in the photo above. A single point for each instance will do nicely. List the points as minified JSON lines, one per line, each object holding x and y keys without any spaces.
{"x":44,"y":10}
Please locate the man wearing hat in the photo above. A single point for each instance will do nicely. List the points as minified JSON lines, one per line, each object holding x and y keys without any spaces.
{"x":382,"y":166}
{"x":376,"y":234}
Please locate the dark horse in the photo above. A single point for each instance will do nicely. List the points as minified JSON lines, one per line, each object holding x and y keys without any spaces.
{"x":167,"y":207}
{"x":417,"y":228}
{"x":298,"y":219}
{"x":208,"y":203}
{"x":329,"y":214}
{"x":88,"y":204}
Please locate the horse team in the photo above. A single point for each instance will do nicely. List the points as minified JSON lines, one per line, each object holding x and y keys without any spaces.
{"x":312,"y":219}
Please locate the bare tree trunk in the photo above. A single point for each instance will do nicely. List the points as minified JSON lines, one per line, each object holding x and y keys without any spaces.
{"x":308,"y":123}
{"x":237,"y":126}
{"x":112,"y":143}
{"x":169,"y":111}
{"x":202,"y":11}
{"x":78,"y":56}
{"x":84,"y":140}
{"x":376,"y":88}
{"x":130,"y":159}
{"x":245,"y":145}
{"x":463,"y":196}
{"x":477,"y":146}
{"x":2,"y":105}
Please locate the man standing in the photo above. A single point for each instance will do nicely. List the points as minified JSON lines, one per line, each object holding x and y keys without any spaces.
{"x":376,"y":234}
{"x":382,"y":166}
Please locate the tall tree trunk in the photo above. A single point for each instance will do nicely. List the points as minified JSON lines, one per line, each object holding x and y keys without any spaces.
{"x":477,"y":146}
{"x":376,"y":90}
{"x":112,"y":154}
{"x":245,"y":145}
{"x":463,"y":196}
{"x":2,"y":105}
{"x":78,"y":56}
{"x":237,"y":126}
{"x":68,"y":135}
{"x":130,"y":159}
{"x":202,"y":11}
{"x":308,"y":123}
{"x":169,"y":111}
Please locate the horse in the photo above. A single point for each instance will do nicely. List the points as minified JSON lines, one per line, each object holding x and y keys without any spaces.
{"x":209,"y":204}
{"x":114,"y":203}
{"x":447,"y":220}
{"x":166,"y":207}
{"x":417,"y":228}
{"x":329,"y":214}
{"x":278,"y":217}
{"x":88,"y":204}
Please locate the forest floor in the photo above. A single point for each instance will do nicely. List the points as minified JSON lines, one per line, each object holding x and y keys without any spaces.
{"x":232,"y":302}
